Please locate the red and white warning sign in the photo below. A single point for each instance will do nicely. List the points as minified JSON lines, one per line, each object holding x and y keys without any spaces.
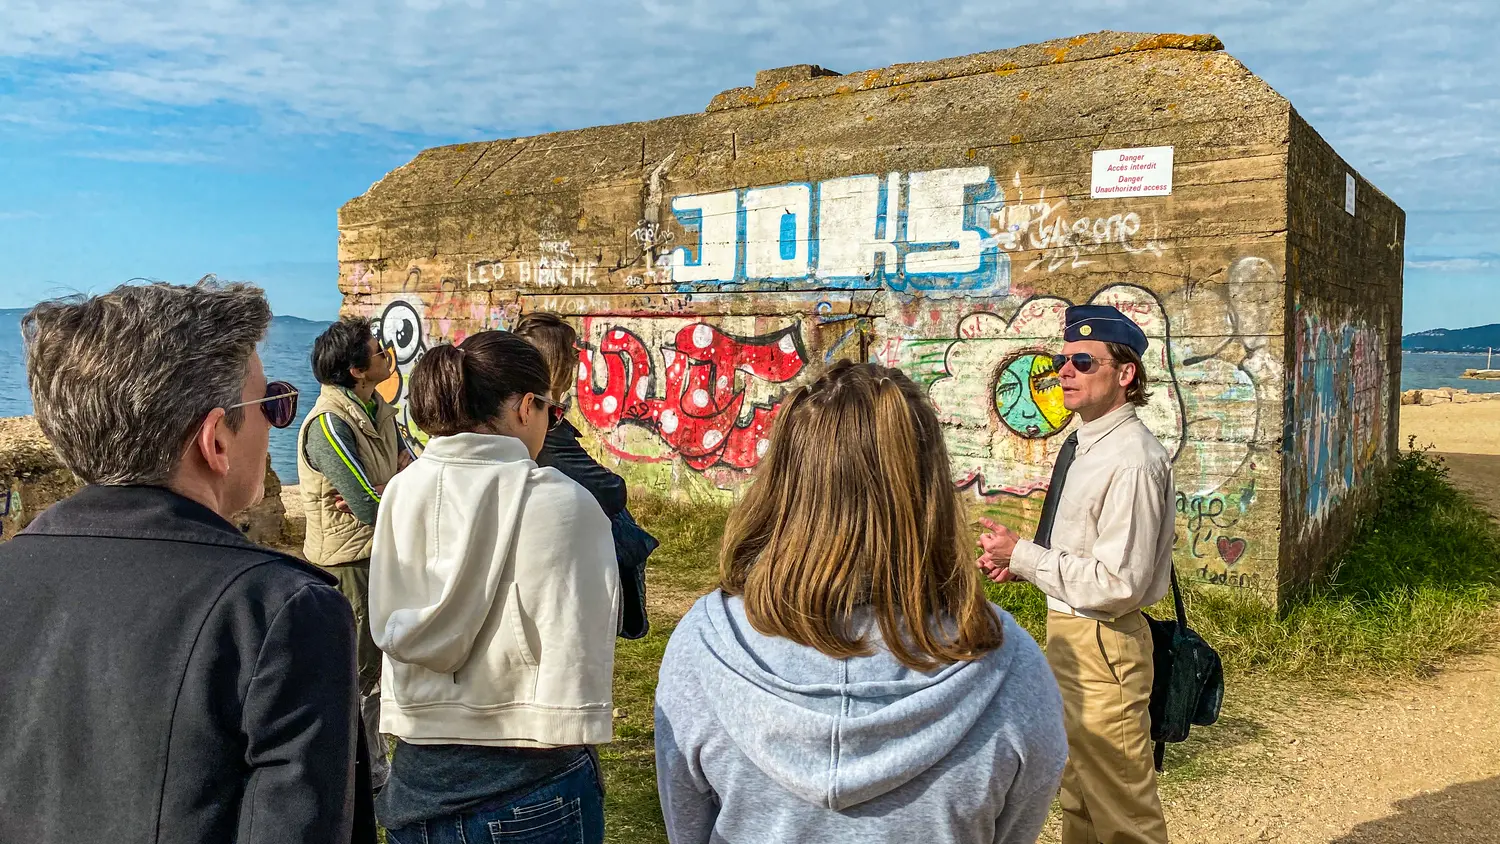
{"x":1144,"y":171}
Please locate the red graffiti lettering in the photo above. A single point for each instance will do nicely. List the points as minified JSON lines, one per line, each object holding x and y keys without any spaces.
{"x":699,"y":414}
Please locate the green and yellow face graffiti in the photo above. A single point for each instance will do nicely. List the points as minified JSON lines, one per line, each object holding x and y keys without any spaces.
{"x":1029,"y":399}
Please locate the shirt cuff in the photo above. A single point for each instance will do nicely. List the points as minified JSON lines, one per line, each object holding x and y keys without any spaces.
{"x":1025,"y":558}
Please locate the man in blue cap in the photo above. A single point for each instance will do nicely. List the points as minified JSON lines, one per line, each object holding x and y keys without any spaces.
{"x":1103,"y":550}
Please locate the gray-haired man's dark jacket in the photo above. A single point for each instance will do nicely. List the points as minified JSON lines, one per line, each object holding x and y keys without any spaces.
{"x":163,"y":679}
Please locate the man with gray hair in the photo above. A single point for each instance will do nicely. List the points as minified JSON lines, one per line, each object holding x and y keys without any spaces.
{"x":168,"y":680}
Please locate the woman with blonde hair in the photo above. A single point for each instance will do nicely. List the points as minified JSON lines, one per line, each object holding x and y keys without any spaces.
{"x":848,"y":681}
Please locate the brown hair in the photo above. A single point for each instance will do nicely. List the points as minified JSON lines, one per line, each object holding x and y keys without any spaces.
{"x":853,"y":506}
{"x":122,"y":381}
{"x":554,"y":338}
{"x":1136,"y":392}
{"x":456,"y":389}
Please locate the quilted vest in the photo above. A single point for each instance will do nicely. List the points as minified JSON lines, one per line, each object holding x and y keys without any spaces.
{"x":333,"y":536}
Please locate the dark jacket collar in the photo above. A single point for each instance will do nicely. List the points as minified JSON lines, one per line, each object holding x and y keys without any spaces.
{"x":140,"y":512}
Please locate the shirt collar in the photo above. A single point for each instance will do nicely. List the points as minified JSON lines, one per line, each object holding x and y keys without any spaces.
{"x":137,"y":512}
{"x":1092,"y":432}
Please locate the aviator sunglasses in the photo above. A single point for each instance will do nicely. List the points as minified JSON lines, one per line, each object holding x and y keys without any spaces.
{"x":279,"y":405}
{"x":1082,"y":361}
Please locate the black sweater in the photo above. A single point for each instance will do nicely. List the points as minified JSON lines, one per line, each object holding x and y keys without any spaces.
{"x":562,"y":451}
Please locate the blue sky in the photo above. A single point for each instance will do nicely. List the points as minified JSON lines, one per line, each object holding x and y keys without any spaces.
{"x":173,"y":138}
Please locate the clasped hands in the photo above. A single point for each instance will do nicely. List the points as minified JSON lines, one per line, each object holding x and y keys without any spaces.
{"x":998,"y":543}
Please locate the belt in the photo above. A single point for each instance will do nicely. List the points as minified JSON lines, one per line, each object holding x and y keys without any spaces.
{"x":1058,"y":606}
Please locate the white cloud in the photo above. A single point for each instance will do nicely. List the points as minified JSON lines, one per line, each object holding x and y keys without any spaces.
{"x":150,"y":156}
{"x":1455,"y":264}
{"x":1403,"y":91}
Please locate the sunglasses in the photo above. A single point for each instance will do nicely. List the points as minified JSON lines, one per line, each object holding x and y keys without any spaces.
{"x":555,"y":412}
{"x":1082,"y":361}
{"x":279,"y":405}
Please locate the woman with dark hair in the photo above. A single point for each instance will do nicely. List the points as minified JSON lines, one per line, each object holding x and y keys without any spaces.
{"x":848,"y":681}
{"x":348,"y":448}
{"x":557,"y":341}
{"x":493,"y":594}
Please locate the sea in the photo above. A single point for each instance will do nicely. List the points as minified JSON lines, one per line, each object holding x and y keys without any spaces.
{"x":287,"y":349}
{"x":286,"y":354}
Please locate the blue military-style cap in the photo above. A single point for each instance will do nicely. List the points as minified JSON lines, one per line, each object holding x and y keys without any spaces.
{"x":1105,"y":324}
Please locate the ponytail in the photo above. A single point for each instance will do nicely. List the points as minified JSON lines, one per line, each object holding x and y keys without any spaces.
{"x":457,"y":389}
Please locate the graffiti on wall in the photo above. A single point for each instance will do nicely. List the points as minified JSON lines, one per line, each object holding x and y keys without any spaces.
{"x":555,"y":265}
{"x":707,"y":395}
{"x":1060,"y":242}
{"x":1000,"y":402}
{"x":924,"y":231}
{"x":1341,"y":399}
{"x":407,"y":325}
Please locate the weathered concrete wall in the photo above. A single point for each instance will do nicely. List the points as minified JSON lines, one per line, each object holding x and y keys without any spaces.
{"x":1344,"y":287}
{"x":935,"y":217}
{"x":33,"y":479}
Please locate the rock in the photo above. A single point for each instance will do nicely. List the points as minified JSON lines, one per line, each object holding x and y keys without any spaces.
{"x":1441,"y":396}
{"x":32,"y":478}
{"x":262,"y":523}
{"x":1411,"y":397}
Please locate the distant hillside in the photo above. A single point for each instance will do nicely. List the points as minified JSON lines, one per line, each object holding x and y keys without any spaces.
{"x":1475,"y":339}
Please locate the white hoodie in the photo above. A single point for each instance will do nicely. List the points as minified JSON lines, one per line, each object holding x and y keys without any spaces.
{"x":494,"y":595}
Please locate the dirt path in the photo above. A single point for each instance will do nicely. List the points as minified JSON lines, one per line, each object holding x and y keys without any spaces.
{"x":1418,"y":764}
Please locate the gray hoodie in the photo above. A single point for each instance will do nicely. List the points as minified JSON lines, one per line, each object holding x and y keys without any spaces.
{"x":759,"y":739}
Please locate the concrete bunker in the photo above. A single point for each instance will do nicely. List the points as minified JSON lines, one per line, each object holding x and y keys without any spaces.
{"x":938,"y":217}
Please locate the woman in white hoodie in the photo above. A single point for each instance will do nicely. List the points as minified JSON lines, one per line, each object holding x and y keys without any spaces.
{"x":494,"y":595}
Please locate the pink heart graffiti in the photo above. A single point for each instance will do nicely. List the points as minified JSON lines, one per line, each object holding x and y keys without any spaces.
{"x":699,"y":414}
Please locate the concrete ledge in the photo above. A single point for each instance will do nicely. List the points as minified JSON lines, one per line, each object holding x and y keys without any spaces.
{"x":800,"y":82}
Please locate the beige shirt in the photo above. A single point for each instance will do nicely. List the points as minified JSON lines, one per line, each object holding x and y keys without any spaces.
{"x":1112,"y":539}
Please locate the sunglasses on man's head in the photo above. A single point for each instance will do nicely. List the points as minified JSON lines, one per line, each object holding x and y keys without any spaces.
{"x":279,"y":405}
{"x":1082,"y":361}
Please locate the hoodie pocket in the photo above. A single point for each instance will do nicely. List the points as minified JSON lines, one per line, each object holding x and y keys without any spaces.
{"x":518,"y":626}
{"x":501,"y":668}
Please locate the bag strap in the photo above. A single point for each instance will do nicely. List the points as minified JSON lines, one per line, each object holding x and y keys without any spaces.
{"x":1177,"y":601}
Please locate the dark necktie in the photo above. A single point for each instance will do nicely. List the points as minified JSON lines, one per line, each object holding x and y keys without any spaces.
{"x":1054,"y":490}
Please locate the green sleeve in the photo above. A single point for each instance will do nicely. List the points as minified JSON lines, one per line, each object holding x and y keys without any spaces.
{"x":330,"y":450}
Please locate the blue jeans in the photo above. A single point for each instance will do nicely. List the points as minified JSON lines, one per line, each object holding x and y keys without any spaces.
{"x":567,"y":808}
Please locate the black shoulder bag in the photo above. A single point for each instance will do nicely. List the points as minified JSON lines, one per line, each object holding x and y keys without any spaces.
{"x":1188,"y":689}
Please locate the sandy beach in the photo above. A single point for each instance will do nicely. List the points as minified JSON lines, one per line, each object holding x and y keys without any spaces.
{"x":1468,"y":437}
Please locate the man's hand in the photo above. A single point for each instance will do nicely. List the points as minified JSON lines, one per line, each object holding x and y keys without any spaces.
{"x":403,"y":460}
{"x":996,"y":571}
{"x":999,"y":543}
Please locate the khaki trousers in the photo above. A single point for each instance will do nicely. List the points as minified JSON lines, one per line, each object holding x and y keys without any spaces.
{"x":1104,"y":670}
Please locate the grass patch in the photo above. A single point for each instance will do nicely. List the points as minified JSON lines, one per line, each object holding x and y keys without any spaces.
{"x":1418,"y":585}
{"x":683,"y":568}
